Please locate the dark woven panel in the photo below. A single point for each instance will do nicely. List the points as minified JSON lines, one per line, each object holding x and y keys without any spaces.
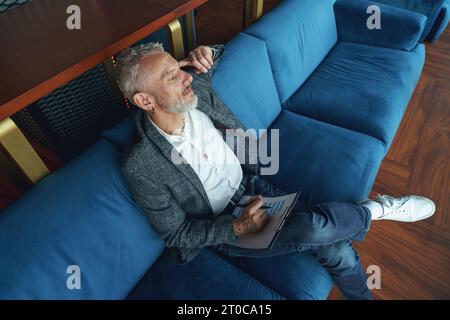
{"x":9,"y":4}
{"x":24,"y":120}
{"x":73,"y":116}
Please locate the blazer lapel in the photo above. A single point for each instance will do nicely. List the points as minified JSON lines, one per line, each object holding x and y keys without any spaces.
{"x":220,"y":117}
{"x":166,"y":148}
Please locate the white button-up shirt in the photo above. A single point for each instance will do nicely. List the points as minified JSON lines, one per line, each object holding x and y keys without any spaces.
{"x":203,"y":147}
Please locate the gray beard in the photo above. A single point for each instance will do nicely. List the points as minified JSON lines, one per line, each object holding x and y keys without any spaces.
{"x":183,"y":107}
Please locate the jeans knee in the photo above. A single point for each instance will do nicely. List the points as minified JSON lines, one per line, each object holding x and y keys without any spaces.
{"x":317,"y":233}
{"x":314,"y":236}
{"x":339,"y":257}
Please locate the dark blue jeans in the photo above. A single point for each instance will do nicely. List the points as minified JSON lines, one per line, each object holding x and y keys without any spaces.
{"x":327,"y":232}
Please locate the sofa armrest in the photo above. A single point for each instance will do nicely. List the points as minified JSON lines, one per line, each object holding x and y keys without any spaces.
{"x":440,"y":23}
{"x":437,"y":12}
{"x":400,"y":29}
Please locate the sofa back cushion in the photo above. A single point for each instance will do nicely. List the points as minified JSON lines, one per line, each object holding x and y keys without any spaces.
{"x":298,"y":35}
{"x":244,"y":81}
{"x":124,"y":133}
{"x":81,"y":215}
{"x":429,"y":8}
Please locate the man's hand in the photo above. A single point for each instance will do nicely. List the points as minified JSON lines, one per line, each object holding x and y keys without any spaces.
{"x":252,"y":219}
{"x":199,"y":58}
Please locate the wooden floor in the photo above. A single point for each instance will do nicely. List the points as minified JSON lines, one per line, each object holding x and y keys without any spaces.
{"x":414,"y":258}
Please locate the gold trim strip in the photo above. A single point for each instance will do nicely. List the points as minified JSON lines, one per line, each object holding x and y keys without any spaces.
{"x":176,"y":39}
{"x":258,"y":6}
{"x":20,"y":150}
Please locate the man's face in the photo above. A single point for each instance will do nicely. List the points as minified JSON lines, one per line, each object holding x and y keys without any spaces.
{"x":167,"y":83}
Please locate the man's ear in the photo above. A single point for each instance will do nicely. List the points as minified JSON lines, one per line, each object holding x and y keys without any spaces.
{"x":144,"y":101}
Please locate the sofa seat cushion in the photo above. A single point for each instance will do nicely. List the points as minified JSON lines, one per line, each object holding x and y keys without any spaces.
{"x":326,"y":162}
{"x":207,"y":276}
{"x":362,"y":88}
{"x":80,"y":215}
{"x":296,"y":276}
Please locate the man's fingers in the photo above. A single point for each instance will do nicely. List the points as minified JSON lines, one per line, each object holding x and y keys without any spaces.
{"x":207,"y":53}
{"x":261,"y":218}
{"x":265,"y":221}
{"x":261,"y":213}
{"x":191,"y":61}
{"x":254,"y":198}
{"x":255,"y":205}
{"x":202,"y":59}
{"x":197,"y":65}
{"x":184,"y":63}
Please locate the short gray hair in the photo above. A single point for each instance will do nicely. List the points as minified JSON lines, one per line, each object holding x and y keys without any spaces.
{"x":129,"y":75}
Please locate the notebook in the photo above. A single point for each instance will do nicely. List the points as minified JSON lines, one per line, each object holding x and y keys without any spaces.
{"x":281,"y":208}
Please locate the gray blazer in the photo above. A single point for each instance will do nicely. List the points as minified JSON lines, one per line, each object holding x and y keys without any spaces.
{"x":171,"y":194}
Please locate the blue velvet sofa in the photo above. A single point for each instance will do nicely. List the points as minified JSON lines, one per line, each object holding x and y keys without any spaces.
{"x":337,"y":93}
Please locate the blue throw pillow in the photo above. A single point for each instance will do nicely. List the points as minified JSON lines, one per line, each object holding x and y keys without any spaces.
{"x":400,"y":29}
{"x":123,"y":133}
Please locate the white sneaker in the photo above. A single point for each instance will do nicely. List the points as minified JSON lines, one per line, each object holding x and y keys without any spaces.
{"x":406,"y":208}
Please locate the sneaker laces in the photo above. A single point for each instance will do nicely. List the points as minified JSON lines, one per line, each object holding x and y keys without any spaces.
{"x":394,"y":205}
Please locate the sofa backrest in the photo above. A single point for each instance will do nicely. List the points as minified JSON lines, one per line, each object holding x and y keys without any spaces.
{"x":298,"y":34}
{"x":81,"y":215}
{"x":244,"y":81}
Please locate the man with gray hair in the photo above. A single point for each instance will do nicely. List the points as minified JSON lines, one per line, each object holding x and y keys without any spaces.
{"x":189,"y":203}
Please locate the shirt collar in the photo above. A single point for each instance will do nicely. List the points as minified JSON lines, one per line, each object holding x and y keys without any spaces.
{"x":170,"y":137}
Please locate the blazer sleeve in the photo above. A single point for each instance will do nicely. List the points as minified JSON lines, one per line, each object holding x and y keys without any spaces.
{"x":173,"y":224}
{"x":218,"y":52}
